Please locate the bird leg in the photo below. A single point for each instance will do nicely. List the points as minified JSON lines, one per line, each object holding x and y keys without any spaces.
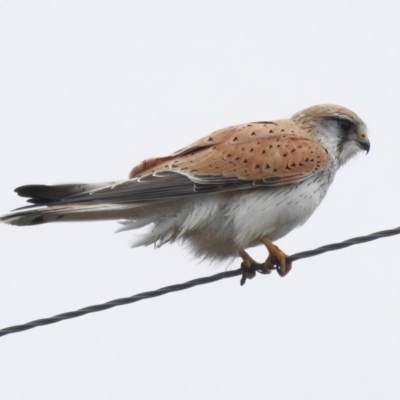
{"x":276,"y":258}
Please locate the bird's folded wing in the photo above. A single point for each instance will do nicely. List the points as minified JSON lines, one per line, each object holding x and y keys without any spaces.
{"x":242,"y":157}
{"x":273,"y":152}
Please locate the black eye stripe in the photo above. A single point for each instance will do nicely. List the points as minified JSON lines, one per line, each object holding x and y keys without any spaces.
{"x":345,"y":124}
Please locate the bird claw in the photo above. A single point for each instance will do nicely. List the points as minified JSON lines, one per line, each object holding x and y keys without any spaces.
{"x":249,"y":271}
{"x":276,"y":260}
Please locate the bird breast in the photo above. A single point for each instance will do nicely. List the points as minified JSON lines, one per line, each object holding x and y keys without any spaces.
{"x":276,"y":211}
{"x":216,"y":226}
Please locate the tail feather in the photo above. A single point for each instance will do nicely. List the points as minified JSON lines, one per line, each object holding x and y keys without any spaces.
{"x":49,"y":206}
{"x":99,"y":201}
{"x":45,"y":194}
{"x":36,"y":215}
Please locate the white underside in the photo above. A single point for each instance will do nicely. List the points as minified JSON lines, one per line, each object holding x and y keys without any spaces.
{"x":217,"y":226}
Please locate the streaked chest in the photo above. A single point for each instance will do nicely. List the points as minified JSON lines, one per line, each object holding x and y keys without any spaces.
{"x":274,"y":212}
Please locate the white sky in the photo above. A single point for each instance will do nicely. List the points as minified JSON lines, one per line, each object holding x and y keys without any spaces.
{"x":90,"y":88}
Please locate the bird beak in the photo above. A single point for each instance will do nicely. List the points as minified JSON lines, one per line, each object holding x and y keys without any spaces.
{"x":364,"y":142}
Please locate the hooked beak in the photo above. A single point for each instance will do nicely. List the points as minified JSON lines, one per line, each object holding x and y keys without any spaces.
{"x":364,"y":142}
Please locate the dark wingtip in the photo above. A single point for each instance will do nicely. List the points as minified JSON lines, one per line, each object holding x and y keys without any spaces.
{"x":28,"y":190}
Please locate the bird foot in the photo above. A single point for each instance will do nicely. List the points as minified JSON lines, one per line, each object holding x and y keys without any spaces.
{"x":250,"y":267}
{"x":249,"y":272}
{"x":277,"y":259}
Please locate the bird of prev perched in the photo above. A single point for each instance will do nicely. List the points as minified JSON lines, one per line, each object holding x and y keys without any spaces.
{"x":233,"y":189}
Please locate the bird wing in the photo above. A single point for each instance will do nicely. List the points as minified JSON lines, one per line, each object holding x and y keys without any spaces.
{"x":276,"y":153}
{"x":239,"y":157}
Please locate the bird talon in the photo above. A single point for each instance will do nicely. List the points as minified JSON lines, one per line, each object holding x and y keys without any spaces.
{"x":248,"y":271}
{"x":285,"y":270}
{"x":263,"y":269}
{"x":276,"y":259}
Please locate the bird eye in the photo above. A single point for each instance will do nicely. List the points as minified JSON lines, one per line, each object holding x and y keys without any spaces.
{"x":346,"y":126}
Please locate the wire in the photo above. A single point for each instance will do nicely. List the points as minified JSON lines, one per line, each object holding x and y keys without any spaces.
{"x":342,"y":245}
{"x":187,"y":285}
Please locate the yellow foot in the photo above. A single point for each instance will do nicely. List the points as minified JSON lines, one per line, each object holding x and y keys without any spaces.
{"x":276,"y":258}
{"x":250,"y":267}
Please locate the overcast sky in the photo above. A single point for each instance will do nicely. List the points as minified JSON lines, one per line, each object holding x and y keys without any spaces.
{"x":90,"y":88}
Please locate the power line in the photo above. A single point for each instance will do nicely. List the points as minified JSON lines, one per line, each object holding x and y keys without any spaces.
{"x":187,"y":285}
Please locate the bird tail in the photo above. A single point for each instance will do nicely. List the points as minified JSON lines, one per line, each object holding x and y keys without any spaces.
{"x":56,"y":203}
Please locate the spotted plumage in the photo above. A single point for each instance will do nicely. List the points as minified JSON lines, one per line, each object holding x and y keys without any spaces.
{"x":228,"y":191}
{"x":272,"y":152}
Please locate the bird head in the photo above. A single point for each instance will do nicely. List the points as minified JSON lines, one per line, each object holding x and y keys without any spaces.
{"x":339,"y":130}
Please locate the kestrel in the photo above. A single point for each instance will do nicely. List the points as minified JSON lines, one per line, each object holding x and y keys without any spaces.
{"x":231,"y":190}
